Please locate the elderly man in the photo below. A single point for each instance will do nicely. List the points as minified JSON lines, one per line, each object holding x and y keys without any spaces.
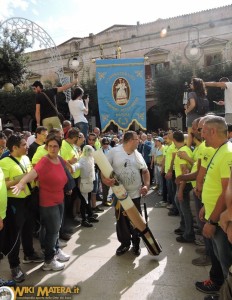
{"x":213,"y":195}
{"x":132,"y":171}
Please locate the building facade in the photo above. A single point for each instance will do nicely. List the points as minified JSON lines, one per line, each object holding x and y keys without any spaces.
{"x":200,"y":39}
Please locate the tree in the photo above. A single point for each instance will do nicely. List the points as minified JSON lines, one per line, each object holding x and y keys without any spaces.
{"x":13,"y":61}
{"x":169,"y":90}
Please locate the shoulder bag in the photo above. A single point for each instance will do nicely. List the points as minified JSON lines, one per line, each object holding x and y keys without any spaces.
{"x":71,"y":182}
{"x":59,"y":115}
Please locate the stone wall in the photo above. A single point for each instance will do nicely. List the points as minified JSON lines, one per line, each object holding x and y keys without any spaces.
{"x":137,"y":40}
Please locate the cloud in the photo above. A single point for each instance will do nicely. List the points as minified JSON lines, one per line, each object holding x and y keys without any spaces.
{"x":35,"y":12}
{"x":8,"y":7}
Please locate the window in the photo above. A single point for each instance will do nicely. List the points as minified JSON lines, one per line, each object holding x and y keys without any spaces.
{"x":157,"y":68}
{"x":213,"y":59}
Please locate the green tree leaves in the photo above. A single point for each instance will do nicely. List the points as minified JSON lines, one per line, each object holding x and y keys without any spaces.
{"x":13,"y":61}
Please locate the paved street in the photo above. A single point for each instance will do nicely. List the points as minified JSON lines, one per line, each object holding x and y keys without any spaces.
{"x":100,"y":274}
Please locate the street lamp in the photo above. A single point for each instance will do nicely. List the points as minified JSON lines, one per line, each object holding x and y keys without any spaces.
{"x":193,"y":51}
{"x":75,"y":63}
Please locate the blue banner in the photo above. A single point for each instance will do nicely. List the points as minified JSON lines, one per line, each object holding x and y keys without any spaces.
{"x":121,"y":92}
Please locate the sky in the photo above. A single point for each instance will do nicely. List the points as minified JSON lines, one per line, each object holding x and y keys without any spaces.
{"x":64,"y":19}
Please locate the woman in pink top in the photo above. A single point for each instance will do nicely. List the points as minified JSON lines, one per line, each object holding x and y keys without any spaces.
{"x":52,"y":178}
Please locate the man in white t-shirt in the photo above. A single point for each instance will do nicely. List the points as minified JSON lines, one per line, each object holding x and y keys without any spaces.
{"x":225,"y":84}
{"x":132,"y":172}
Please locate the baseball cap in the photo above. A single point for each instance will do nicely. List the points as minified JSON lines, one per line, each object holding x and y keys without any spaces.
{"x":160,"y":139}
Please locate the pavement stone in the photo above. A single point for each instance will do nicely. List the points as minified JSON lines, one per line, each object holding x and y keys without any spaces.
{"x":100,"y":274}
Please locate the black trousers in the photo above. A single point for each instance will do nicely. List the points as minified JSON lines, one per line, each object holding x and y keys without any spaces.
{"x":85,"y":207}
{"x":125,"y":231}
{"x":18,"y":227}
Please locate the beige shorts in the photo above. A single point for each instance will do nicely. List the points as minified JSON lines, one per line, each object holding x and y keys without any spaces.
{"x":52,"y":122}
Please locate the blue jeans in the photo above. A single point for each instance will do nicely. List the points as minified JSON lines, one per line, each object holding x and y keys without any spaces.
{"x":222,"y":249}
{"x":159,"y":178}
{"x":215,"y":273}
{"x":51,"y":219}
{"x":198,"y":205}
{"x":184,"y":208}
{"x":84,"y":128}
{"x":171,"y":187}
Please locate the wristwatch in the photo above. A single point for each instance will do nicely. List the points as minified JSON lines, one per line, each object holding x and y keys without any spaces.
{"x":212,"y":223}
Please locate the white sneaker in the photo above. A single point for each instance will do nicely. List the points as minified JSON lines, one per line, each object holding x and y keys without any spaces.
{"x":61,"y":256}
{"x":62,"y":243}
{"x":54,"y":265}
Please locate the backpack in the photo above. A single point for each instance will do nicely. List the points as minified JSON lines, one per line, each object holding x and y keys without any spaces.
{"x":202,"y":106}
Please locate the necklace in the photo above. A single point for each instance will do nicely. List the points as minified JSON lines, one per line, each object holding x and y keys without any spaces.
{"x":214,"y":155}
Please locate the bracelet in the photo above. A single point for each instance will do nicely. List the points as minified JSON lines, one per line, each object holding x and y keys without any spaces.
{"x":212,"y":223}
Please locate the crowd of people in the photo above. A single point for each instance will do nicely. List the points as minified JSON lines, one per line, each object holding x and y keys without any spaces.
{"x":57,"y":160}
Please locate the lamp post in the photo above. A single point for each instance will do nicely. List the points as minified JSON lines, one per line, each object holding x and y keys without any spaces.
{"x":193,"y":51}
{"x":75,"y":63}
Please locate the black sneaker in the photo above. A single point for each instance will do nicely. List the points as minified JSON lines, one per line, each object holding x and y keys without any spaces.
{"x":17,"y":274}
{"x":34,"y":258}
{"x":65,"y":236}
{"x":7,"y":282}
{"x":172,"y":213}
{"x":136,"y":250}
{"x":97,"y":209}
{"x":178,"y":231}
{"x":181,"y":239}
{"x":122,"y":249}
{"x":99,"y":197}
{"x":69,"y":230}
{"x":207,"y":286}
{"x":93,"y":220}
{"x":86,"y":224}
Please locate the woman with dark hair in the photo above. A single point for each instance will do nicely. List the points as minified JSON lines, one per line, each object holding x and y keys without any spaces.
{"x":52,"y":178}
{"x":78,"y":109}
{"x":198,"y":90}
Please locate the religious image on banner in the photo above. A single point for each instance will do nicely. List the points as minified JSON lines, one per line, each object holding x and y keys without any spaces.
{"x":121,"y":92}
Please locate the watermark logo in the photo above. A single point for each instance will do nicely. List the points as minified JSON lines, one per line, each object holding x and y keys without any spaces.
{"x":43,"y":292}
{"x":6,"y":293}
